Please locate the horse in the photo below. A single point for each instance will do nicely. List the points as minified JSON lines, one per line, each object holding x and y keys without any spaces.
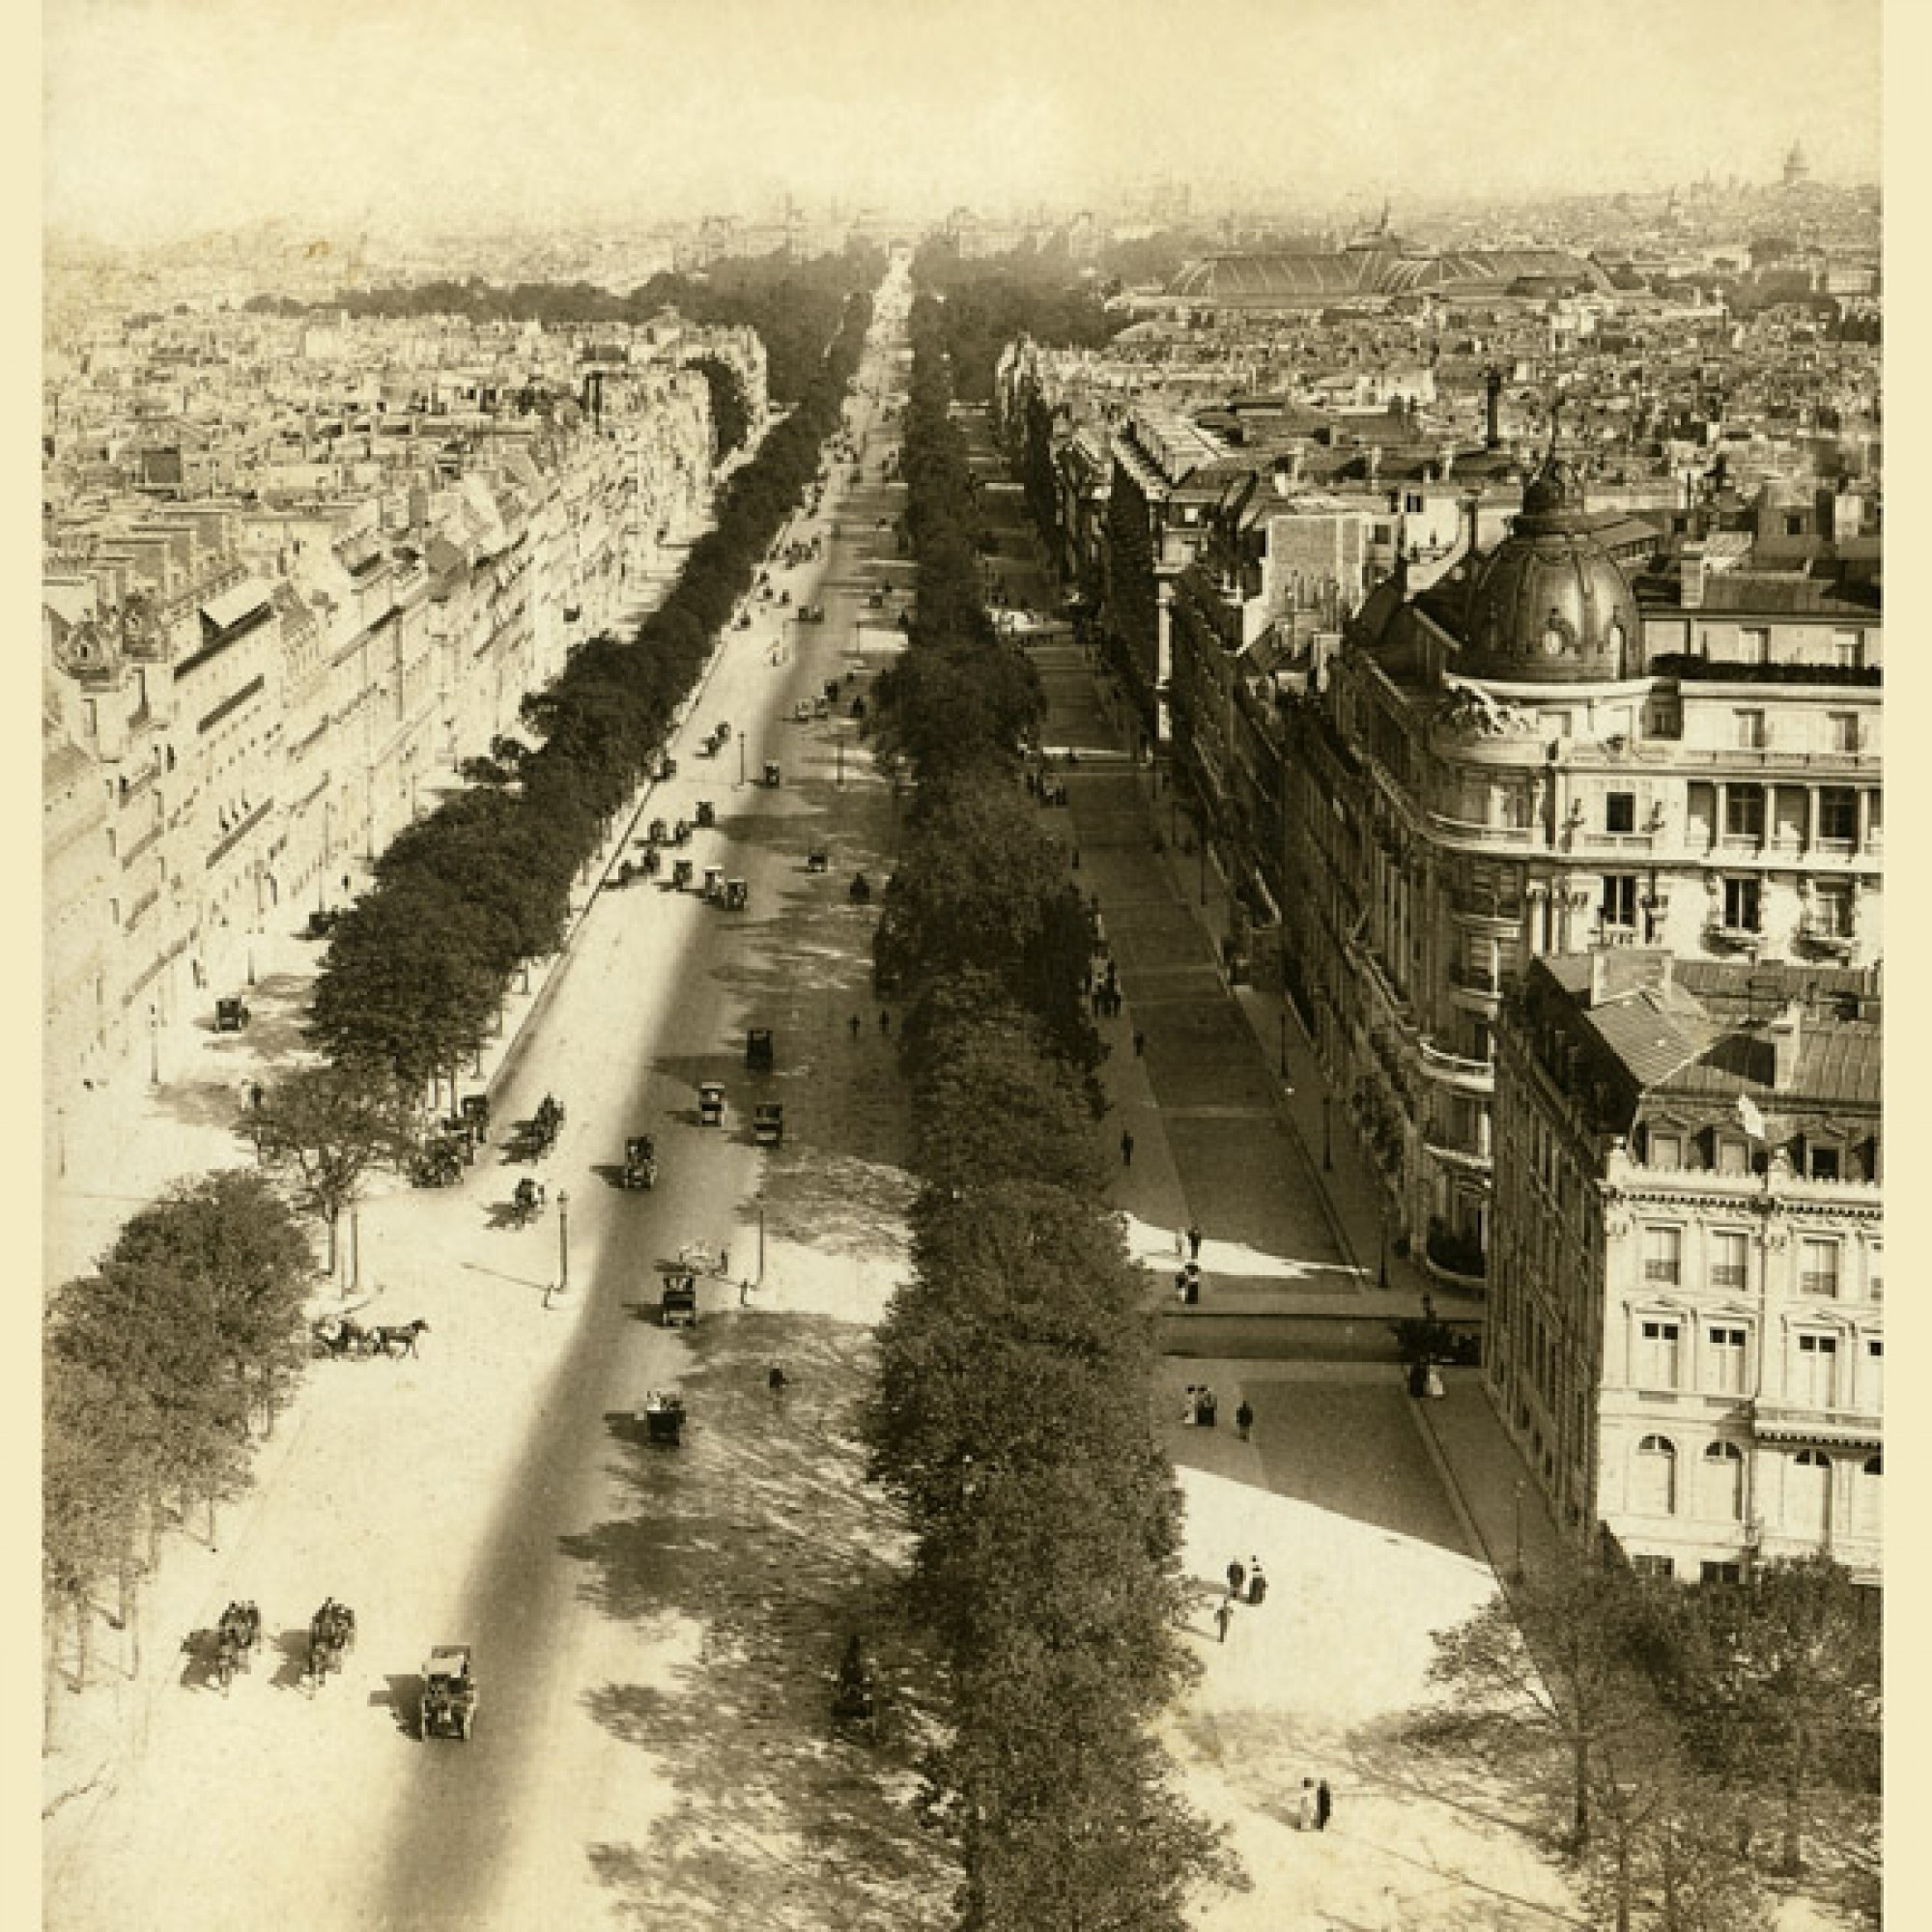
{"x":399,"y":1340}
{"x":338,"y":1336}
{"x":526,"y":1202}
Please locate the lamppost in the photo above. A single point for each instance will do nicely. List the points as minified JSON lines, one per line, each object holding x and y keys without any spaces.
{"x":741,"y":757}
{"x":760,"y":1198}
{"x":563,"y":1240}
{"x":1516,"y":1566}
{"x":154,"y":1045}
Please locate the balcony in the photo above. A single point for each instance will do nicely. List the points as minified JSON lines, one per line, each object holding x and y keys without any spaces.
{"x":1469,"y":832}
{"x":1722,"y":938}
{"x":1825,"y":936}
{"x":1495,"y":909}
{"x":1829,"y":1427}
{"x":1465,"y":1075}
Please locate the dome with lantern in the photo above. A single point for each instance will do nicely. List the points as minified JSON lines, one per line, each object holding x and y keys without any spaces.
{"x":1550,"y":605}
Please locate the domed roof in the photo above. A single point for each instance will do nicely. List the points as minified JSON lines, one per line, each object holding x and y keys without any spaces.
{"x":1550,"y":605}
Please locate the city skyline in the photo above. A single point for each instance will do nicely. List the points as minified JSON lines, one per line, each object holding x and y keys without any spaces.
{"x":375,"y":115}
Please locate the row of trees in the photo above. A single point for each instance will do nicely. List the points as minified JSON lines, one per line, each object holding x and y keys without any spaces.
{"x":157,"y":1368}
{"x":1676,"y":1732}
{"x":1012,"y":1410}
{"x":793,"y":305}
{"x":416,"y":971}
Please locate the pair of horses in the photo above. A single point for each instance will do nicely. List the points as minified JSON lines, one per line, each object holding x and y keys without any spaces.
{"x":342,"y":1336}
{"x":331,"y":1635}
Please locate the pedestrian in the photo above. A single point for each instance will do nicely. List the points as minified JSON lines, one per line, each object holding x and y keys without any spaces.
{"x":1140,"y":1051}
{"x":1179,"y":1245}
{"x":1187,"y":1404}
{"x":1206,"y":1408}
{"x":1237,"y":1576}
{"x":1181,"y":1287}
{"x":255,"y":1095}
{"x":1258,"y":1584}
{"x":1076,"y":858}
{"x":855,"y":1026}
{"x":1244,"y":1418}
{"x":1325,"y":1805}
{"x":776,"y":1380}
{"x":885,"y":1021}
{"x":745,"y":1293}
{"x":1126,"y":1147}
{"x":1304,"y":1817}
{"x":1224,"y":1615}
{"x":1194,"y":1244}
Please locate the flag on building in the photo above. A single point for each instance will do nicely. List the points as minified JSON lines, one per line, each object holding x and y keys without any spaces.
{"x":1752,"y":1118}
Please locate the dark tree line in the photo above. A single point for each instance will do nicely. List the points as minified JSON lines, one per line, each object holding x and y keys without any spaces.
{"x":416,"y":973}
{"x":1013,"y":1409}
{"x":156,"y":1371}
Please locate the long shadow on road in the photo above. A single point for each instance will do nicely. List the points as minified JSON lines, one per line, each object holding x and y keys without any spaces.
{"x":744,"y":1559}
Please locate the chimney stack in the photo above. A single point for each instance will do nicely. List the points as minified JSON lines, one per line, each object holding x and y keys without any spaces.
{"x":1493,"y":390}
{"x":1691,"y":565}
{"x":1787,"y":1039}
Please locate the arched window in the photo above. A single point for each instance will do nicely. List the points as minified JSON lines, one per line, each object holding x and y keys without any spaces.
{"x":1654,"y":1489}
{"x":1724,"y":1481}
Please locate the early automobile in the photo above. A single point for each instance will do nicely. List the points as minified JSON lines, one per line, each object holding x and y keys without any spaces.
{"x":677,"y":1304}
{"x":818,"y":860}
{"x":759,"y":1054}
{"x":448,"y":1694}
{"x":662,"y":1413}
{"x":475,"y":1109}
{"x":714,"y":883}
{"x":231,"y":1015}
{"x":658,"y":832}
{"x":768,"y":1124}
{"x":772,"y":774}
{"x":737,"y":895}
{"x":711,"y":1103}
{"x":801,"y":712}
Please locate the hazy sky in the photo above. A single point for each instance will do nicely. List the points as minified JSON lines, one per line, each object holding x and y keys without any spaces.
{"x":162,"y":114}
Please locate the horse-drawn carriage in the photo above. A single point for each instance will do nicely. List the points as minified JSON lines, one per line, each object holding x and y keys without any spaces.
{"x":439,"y":1161}
{"x":768,"y":1124}
{"x":818,"y":860}
{"x":652,"y":863}
{"x":707,"y":813}
{"x":680,"y":874}
{"x":528,"y":1200}
{"x":714,"y":884}
{"x":711,"y":1103}
{"x":236,"y":1638}
{"x":231,"y":1015}
{"x":760,"y":1055}
{"x":475,"y":1109}
{"x":662,"y":1416}
{"x":774,"y":776}
{"x":331,"y":1636}
{"x":448,"y":1694}
{"x":623,"y":875}
{"x":544,"y":1123}
{"x":640,"y":1162}
{"x":677,"y":1301}
{"x":737,"y":895}
{"x":660,"y":831}
{"x":341,"y":1337}
{"x":861,"y":889}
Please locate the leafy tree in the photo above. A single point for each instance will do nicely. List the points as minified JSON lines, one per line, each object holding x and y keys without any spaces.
{"x":325,"y":1130}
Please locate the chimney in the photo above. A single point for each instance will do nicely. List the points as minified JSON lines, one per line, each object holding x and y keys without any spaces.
{"x":1492,"y":388}
{"x":1787,"y":1039}
{"x":1690,"y":569}
{"x":1472,"y":522}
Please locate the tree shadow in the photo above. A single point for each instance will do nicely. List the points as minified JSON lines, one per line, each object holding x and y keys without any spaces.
{"x":744,"y":1560}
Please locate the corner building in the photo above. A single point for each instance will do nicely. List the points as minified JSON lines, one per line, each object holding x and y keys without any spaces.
{"x":1685,"y":1329}
{"x":1521,"y":761}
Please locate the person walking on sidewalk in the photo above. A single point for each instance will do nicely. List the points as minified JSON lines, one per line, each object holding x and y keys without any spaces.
{"x":1304,"y":1814}
{"x":1224,"y":1615}
{"x":1244,"y":1418}
{"x":1324,"y":1804}
{"x":1258,"y":1584}
{"x":1238,"y":1576}
{"x":1194,"y":1244}
{"x":1126,"y":1146}
{"x":1140,"y":1044}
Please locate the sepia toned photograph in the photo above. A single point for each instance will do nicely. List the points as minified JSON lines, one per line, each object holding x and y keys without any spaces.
{"x":962,"y":948}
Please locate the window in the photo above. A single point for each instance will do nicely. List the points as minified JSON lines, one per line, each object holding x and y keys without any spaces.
{"x":1754,"y":646}
{"x":1867,"y":1498}
{"x":1839,"y":815}
{"x":1724,"y":1481}
{"x":1656,"y":1354}
{"x":1750,"y":730}
{"x":1725,"y":1359}
{"x":1620,"y":812}
{"x":1848,"y":648}
{"x":1655,"y":1487}
{"x":1743,"y":812}
{"x":1808,"y":1494}
{"x":1619,"y":902}
{"x":1660,"y":1567}
{"x":1875,"y":1273}
{"x":1666,"y":1151}
{"x":1729,"y":1258}
{"x":1823,"y":1163}
{"x":1844,"y":733}
{"x":1719,"y":1573}
{"x":1833,"y":910}
{"x":1664,"y":1254}
{"x":1555,"y":723}
{"x":1872,"y":1395}
{"x":1733,"y":1156}
{"x":1817,"y":1378}
{"x":1818,"y":1266}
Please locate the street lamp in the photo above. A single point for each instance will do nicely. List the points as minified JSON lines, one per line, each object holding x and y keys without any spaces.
{"x":154,"y":1045}
{"x":761,"y":1237}
{"x":741,"y":757}
{"x":563,"y":1240}
{"x":1516,"y":1568}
